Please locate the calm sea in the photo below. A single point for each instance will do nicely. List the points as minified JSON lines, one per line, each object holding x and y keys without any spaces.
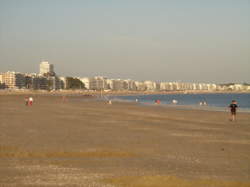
{"x":214,"y":101}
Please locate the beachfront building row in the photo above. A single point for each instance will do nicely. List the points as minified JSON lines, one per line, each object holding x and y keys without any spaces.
{"x":16,"y":80}
{"x":102,"y":83}
{"x":187,"y":86}
{"x":45,"y":80}
{"x":40,"y":82}
{"x":48,"y":81}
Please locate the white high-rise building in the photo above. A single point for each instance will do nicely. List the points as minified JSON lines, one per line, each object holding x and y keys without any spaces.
{"x":1,"y":78}
{"x":46,"y":68}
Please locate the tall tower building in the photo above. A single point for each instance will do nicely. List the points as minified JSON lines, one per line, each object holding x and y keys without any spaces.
{"x":46,"y":68}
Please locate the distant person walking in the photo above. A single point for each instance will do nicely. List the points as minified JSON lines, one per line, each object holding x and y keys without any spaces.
{"x":157,"y":101}
{"x":63,"y":98}
{"x":26,"y":99}
{"x":233,"y":106}
{"x":174,"y":101}
{"x":31,"y":100}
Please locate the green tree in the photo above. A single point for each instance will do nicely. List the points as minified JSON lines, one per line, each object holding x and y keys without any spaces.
{"x":2,"y":85}
{"x":74,"y":83}
{"x":246,"y":84}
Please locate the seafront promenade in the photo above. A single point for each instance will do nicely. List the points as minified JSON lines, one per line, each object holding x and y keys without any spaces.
{"x":81,"y":141}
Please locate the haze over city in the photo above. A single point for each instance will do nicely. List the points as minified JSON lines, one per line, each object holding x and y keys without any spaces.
{"x":191,"y":41}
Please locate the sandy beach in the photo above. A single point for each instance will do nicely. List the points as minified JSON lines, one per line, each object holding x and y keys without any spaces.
{"x":82,"y":141}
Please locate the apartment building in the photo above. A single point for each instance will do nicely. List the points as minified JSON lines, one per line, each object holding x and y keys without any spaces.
{"x":98,"y":83}
{"x":140,"y":86}
{"x":129,"y":85}
{"x":46,"y":68}
{"x":117,"y":84}
{"x":13,"y":80}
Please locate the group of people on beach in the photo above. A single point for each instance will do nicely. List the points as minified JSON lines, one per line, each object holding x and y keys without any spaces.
{"x":203,"y":103}
{"x":29,"y":101}
{"x":233,"y":106}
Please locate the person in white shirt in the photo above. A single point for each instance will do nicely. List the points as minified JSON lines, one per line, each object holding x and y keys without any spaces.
{"x":31,"y":101}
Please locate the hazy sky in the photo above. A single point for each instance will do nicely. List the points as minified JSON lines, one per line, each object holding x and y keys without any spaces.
{"x":161,"y":40}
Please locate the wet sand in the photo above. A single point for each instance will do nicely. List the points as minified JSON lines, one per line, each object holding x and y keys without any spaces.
{"x":86,"y":142}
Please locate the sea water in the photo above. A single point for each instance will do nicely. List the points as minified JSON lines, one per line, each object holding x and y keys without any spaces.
{"x":214,"y":101}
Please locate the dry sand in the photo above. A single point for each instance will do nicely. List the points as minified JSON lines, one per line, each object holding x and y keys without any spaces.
{"x":85,"y":142}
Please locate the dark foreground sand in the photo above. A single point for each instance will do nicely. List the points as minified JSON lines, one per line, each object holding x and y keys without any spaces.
{"x":85,"y":142}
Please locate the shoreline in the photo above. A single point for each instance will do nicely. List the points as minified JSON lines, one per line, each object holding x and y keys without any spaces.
{"x":185,"y":107}
{"x":106,"y":96}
